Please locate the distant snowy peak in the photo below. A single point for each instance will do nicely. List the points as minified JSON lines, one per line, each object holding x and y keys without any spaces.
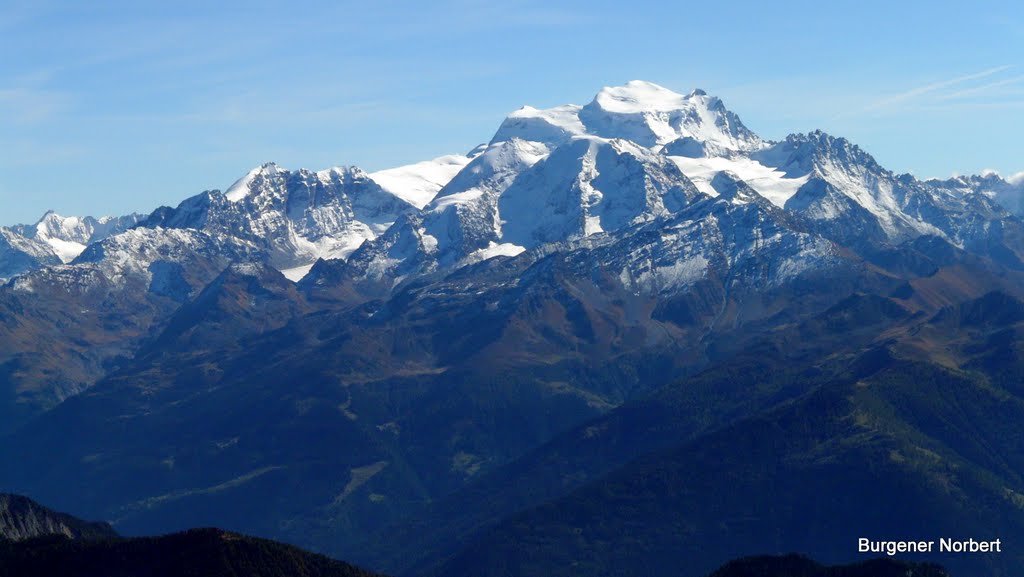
{"x":641,"y":112}
{"x":1008,"y":193}
{"x":463,"y":217}
{"x":490,"y":172}
{"x":168,"y":262}
{"x":251,"y":182}
{"x":639,"y":96}
{"x":651,"y":116}
{"x":778,"y":171}
{"x":69,"y":235}
{"x":297,"y":193}
{"x":848,"y":192}
{"x":855,"y":201}
{"x":800,"y":154}
{"x":419,"y":183}
{"x":20,"y":254}
{"x":69,"y":229}
{"x":296,"y":216}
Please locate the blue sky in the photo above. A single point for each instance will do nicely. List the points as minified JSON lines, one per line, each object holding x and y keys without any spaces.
{"x":129,"y":105}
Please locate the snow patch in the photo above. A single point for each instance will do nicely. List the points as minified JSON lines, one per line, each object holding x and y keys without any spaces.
{"x":463,"y":197}
{"x":419,"y":183}
{"x":495,"y":249}
{"x":296,"y":274}
{"x":768,"y":182}
{"x":67,"y":251}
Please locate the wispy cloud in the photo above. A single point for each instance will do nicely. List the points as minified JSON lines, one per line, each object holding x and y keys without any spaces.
{"x":988,"y":89}
{"x":935,"y":89}
{"x":954,"y":106}
{"x":28,"y":104}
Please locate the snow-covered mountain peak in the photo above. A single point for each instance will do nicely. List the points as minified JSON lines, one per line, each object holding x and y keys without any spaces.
{"x":552,"y":126}
{"x":842,"y":148}
{"x":490,"y":172}
{"x":70,"y":228}
{"x":20,"y":254}
{"x":652,"y":116}
{"x":639,"y":111}
{"x":69,"y":235}
{"x":817,"y":152}
{"x":49,"y":215}
{"x":640,"y":96}
{"x":243,"y":187}
{"x":272,"y":188}
{"x":296,"y":216}
{"x":1007,"y":192}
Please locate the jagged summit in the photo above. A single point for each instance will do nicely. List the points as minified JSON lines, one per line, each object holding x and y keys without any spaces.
{"x":639,"y":111}
{"x":296,"y":216}
{"x":652,"y":115}
{"x":807,"y":151}
{"x":243,"y":187}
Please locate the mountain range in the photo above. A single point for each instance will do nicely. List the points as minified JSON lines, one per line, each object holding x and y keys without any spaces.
{"x":619,"y":337}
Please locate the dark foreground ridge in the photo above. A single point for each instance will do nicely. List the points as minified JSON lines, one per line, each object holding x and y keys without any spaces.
{"x":37,"y":541}
{"x":798,"y":566}
{"x":199,"y":552}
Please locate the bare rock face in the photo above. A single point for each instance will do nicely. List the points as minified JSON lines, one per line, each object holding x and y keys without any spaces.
{"x":22,"y":518}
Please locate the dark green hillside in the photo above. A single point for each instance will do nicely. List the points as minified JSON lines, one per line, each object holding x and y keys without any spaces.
{"x":797,"y":566}
{"x":196,"y":553}
{"x":775,"y":370}
{"x":911,"y":450}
